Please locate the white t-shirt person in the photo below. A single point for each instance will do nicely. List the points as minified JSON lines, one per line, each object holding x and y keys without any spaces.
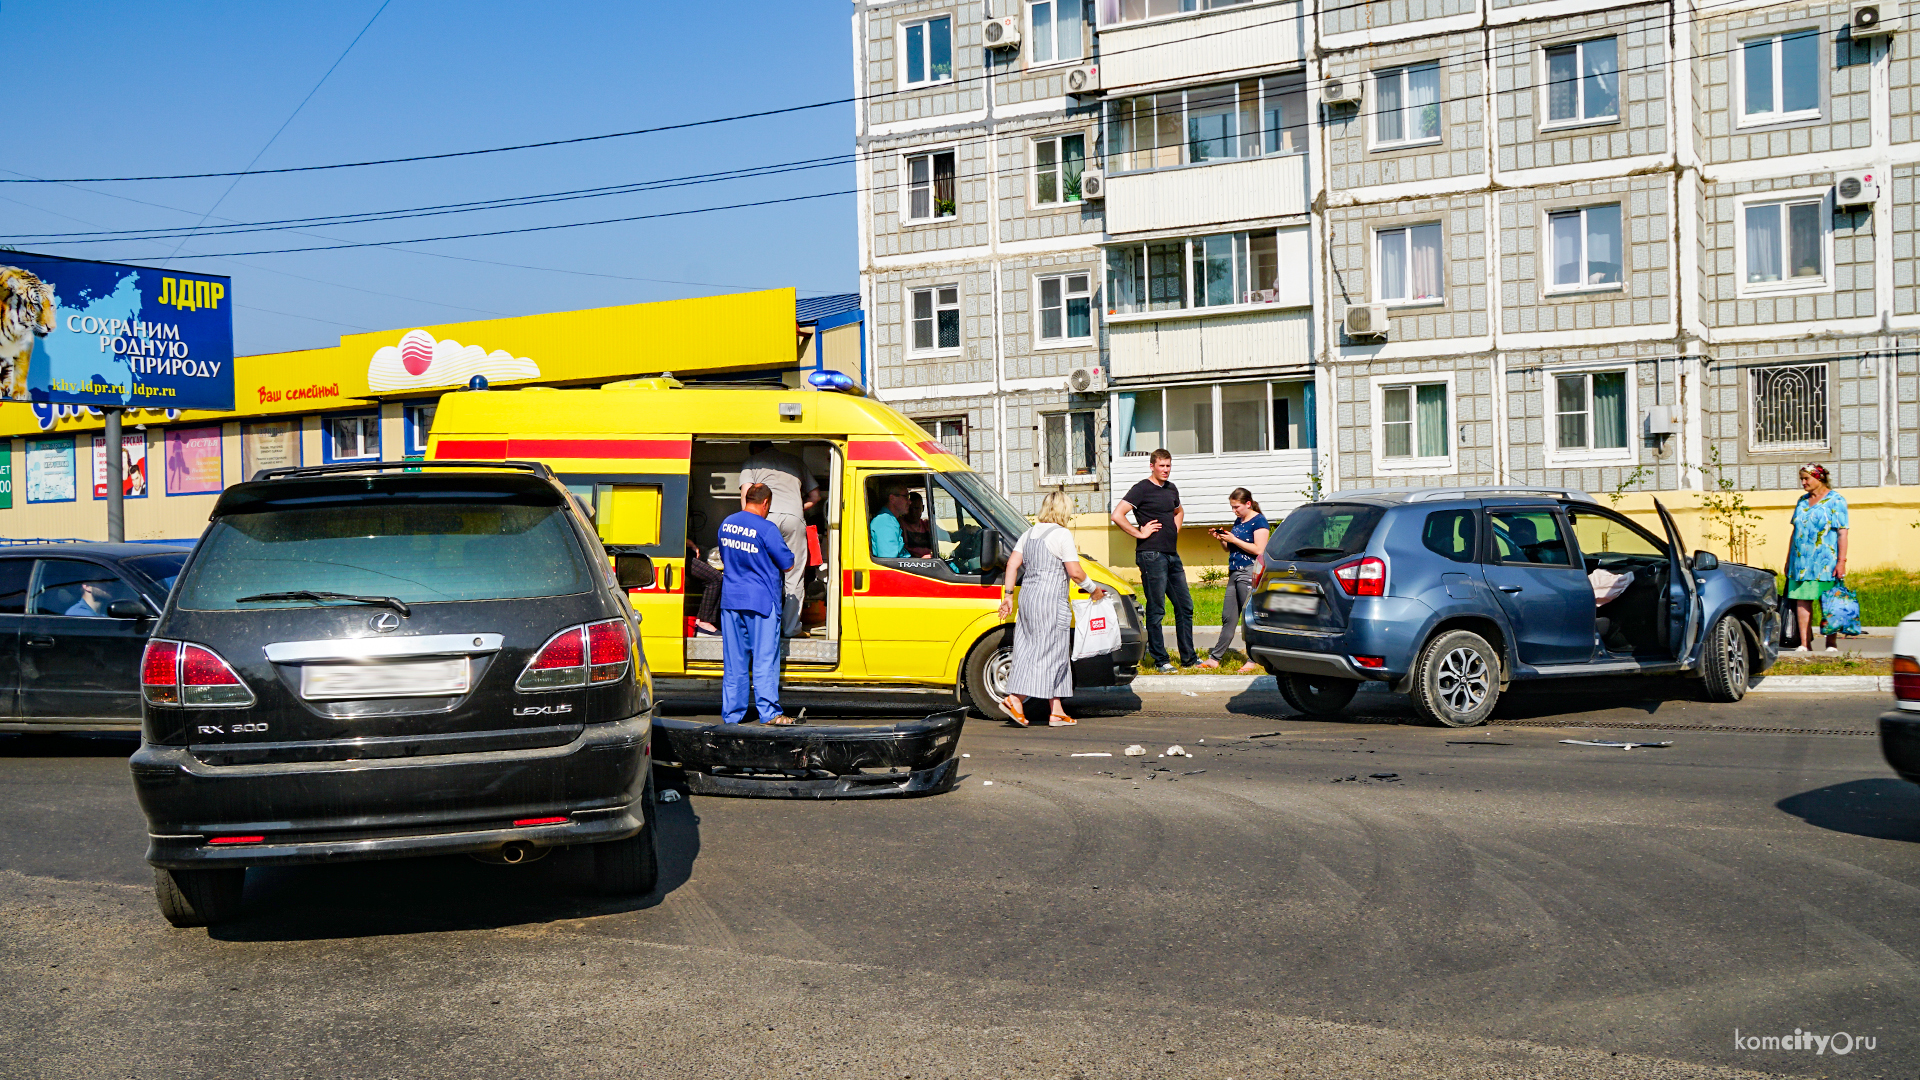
{"x":1058,"y":540}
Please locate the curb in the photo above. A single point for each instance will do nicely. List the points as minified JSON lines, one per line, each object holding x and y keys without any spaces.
{"x":1776,"y":684}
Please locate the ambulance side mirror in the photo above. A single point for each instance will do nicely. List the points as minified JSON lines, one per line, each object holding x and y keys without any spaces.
{"x":989,"y":554}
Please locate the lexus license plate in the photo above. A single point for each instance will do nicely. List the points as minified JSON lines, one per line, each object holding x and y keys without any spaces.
{"x":429,"y":678}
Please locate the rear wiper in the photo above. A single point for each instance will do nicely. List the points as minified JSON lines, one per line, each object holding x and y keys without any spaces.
{"x":382,"y":601}
{"x":1298,"y":552}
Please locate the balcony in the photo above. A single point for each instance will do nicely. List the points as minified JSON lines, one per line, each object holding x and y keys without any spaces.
{"x":1201,"y":44}
{"x":1215,"y":342}
{"x":1201,"y":197}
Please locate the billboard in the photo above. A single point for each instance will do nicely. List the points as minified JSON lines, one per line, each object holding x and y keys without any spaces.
{"x":74,"y":332}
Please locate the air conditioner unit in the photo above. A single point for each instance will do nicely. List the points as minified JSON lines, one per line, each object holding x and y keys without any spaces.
{"x":1340,"y":92}
{"x":1366,"y":320}
{"x":1868,"y":21}
{"x":1856,"y":189}
{"x":1087,"y":380}
{"x":1084,"y":81}
{"x":1002,"y":33}
{"x":1093,"y":184}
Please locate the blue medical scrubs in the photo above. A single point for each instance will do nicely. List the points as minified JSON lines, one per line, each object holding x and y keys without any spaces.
{"x":756,"y":559}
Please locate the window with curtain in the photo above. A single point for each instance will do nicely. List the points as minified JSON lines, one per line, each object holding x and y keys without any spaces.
{"x":1189,"y":412}
{"x":1139,"y":418}
{"x":1408,"y":264}
{"x":1058,"y":162}
{"x":1583,"y":82}
{"x":351,"y":438}
{"x":1054,"y":29}
{"x":1071,"y":449}
{"x":1222,"y":122}
{"x":1243,"y":417}
{"x":1202,"y":272}
{"x":928,"y":50}
{"x":1585,"y":247}
{"x":1116,"y":12}
{"x":931,"y":187}
{"x":1406,"y":105}
{"x":1066,"y":307}
{"x":936,"y":318}
{"x":1786,"y":242}
{"x":1254,"y":416}
{"x":1590,"y":410}
{"x":950,"y":432}
{"x":1413,"y":421}
{"x":1780,"y":77}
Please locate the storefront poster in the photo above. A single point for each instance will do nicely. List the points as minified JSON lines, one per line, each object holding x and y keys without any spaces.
{"x":108,"y":334}
{"x":193,"y":461}
{"x":133,"y":466}
{"x":50,"y":470}
{"x":274,"y":445}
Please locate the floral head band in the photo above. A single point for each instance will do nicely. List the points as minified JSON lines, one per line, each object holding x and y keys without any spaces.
{"x":1818,"y":472}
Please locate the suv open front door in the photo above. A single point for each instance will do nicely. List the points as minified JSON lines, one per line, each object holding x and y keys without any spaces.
{"x":1683,"y":599}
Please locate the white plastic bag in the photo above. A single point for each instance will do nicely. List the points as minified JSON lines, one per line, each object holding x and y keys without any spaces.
{"x":1608,"y":586}
{"x":1096,"y":627}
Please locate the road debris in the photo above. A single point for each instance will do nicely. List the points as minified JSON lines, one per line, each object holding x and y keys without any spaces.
{"x":986,"y":783}
{"x":1176,"y":750}
{"x":966,"y":755}
{"x":1264,"y":734}
{"x":1189,"y":693}
{"x":669,"y":795}
{"x":1384,"y":775}
{"x":1136,"y":750}
{"x":1098,"y":753}
{"x":1612,"y":745}
{"x":1193,"y":772}
{"x":1451,"y":742}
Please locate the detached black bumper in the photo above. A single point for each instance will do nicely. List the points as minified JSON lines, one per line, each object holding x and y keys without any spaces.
{"x":1900,"y":742}
{"x":813,"y":761}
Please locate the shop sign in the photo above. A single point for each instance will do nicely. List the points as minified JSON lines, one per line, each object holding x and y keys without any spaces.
{"x":6,"y":475}
{"x":93,"y":334}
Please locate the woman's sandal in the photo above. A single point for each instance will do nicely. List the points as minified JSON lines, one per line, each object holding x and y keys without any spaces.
{"x":1016,"y":710}
{"x":1060,"y":720}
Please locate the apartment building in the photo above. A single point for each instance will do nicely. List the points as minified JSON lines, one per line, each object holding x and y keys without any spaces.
{"x":1617,"y":245}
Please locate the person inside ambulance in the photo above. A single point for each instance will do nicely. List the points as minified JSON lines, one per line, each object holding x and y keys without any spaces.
{"x":884,"y":533}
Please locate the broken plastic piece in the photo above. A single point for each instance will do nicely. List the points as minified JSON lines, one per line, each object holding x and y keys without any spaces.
{"x":1189,"y":693}
{"x":1136,"y":750}
{"x":986,"y":783}
{"x":1176,"y":750}
{"x":1612,"y":745}
{"x":1193,"y":772}
{"x":669,"y":795}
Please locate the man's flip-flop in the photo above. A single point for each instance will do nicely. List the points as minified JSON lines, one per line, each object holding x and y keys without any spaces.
{"x":1016,"y":711}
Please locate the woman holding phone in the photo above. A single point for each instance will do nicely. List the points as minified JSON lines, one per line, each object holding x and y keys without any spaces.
{"x":1244,"y":540}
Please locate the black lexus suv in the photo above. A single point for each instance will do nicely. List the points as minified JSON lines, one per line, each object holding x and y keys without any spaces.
{"x":380,"y":660}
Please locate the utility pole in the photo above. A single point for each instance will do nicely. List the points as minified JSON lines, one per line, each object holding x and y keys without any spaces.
{"x":116,"y":491}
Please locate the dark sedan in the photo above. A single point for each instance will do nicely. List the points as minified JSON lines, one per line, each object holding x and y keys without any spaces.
{"x":73,"y":621}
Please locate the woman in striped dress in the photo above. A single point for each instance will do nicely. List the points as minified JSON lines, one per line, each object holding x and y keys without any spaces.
{"x":1043,"y":633}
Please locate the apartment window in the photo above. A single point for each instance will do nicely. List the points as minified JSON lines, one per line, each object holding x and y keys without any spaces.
{"x":1226,"y":121}
{"x":1780,"y":77}
{"x":930,"y":186}
{"x":1054,"y":28}
{"x":1406,"y":105}
{"x":1251,"y":417}
{"x":1057,"y":165}
{"x":1590,"y":411}
{"x":1786,"y":243}
{"x":1408,"y":265}
{"x":351,"y":438}
{"x":1583,"y":82}
{"x":419,"y":424}
{"x":1413,"y":423}
{"x":1790,"y":407}
{"x":928,"y":48}
{"x":1203,"y":272}
{"x":1113,"y":12}
{"x":1586,"y":247}
{"x":936,"y":318}
{"x":1070,"y":445}
{"x":950,"y":432}
{"x":1066,"y":307}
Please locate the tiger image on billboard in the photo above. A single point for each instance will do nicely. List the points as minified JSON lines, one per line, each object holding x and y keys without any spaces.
{"x":28,"y":314}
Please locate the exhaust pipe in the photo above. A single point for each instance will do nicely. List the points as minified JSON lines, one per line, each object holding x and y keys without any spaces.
{"x":515,"y":852}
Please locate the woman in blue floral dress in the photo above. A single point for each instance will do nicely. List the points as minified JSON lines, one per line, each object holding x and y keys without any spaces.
{"x":1818,"y":557}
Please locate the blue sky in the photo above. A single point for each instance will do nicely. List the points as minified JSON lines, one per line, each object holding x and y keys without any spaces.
{"x":114,"y":89}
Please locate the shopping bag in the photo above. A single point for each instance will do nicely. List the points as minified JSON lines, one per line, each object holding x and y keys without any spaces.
{"x":1096,"y":627}
{"x":1840,"y":611}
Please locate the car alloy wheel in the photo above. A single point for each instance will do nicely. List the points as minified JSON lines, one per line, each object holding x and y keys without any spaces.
{"x":1456,"y":681}
{"x":1462,"y":680}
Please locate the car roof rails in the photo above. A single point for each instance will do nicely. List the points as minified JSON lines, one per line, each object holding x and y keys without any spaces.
{"x":1430,"y":494}
{"x":406,"y":465}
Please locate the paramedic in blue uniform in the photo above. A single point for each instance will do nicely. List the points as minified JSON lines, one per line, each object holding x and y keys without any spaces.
{"x":751,"y":592}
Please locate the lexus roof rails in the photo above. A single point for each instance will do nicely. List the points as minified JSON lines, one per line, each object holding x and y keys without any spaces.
{"x":407,"y":465}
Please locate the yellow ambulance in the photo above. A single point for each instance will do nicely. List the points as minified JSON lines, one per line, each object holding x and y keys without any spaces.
{"x":660,"y":463}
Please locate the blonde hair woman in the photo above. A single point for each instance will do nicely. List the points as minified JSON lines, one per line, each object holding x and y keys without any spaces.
{"x":1042,"y":635}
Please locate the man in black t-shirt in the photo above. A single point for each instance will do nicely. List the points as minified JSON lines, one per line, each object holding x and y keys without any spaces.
{"x":1158,"y":515}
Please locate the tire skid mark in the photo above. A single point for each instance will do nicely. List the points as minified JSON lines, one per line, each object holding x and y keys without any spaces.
{"x":756,"y":922}
{"x":702,"y":925}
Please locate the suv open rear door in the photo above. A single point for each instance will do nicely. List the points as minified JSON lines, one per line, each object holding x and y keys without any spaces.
{"x":1683,"y":599}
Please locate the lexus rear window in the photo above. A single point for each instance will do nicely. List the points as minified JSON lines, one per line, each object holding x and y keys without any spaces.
{"x":1322,"y":532}
{"x":418,"y":552}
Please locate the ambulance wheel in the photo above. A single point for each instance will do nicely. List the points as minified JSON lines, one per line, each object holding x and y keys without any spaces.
{"x":985,"y":679}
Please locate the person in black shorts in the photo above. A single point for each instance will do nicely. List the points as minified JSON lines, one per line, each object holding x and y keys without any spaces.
{"x":1158,"y":515}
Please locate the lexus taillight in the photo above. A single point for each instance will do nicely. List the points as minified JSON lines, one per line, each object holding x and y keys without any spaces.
{"x":179,"y":673}
{"x":598,"y":652}
{"x":1364,"y":577}
{"x":1906,"y":678}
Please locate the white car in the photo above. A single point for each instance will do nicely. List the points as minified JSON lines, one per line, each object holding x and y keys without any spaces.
{"x":1900,"y":729}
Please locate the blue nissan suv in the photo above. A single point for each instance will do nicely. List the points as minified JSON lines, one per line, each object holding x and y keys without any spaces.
{"x":1451,"y":594}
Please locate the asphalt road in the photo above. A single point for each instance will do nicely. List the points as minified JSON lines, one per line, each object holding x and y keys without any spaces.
{"x":1504,"y":906}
